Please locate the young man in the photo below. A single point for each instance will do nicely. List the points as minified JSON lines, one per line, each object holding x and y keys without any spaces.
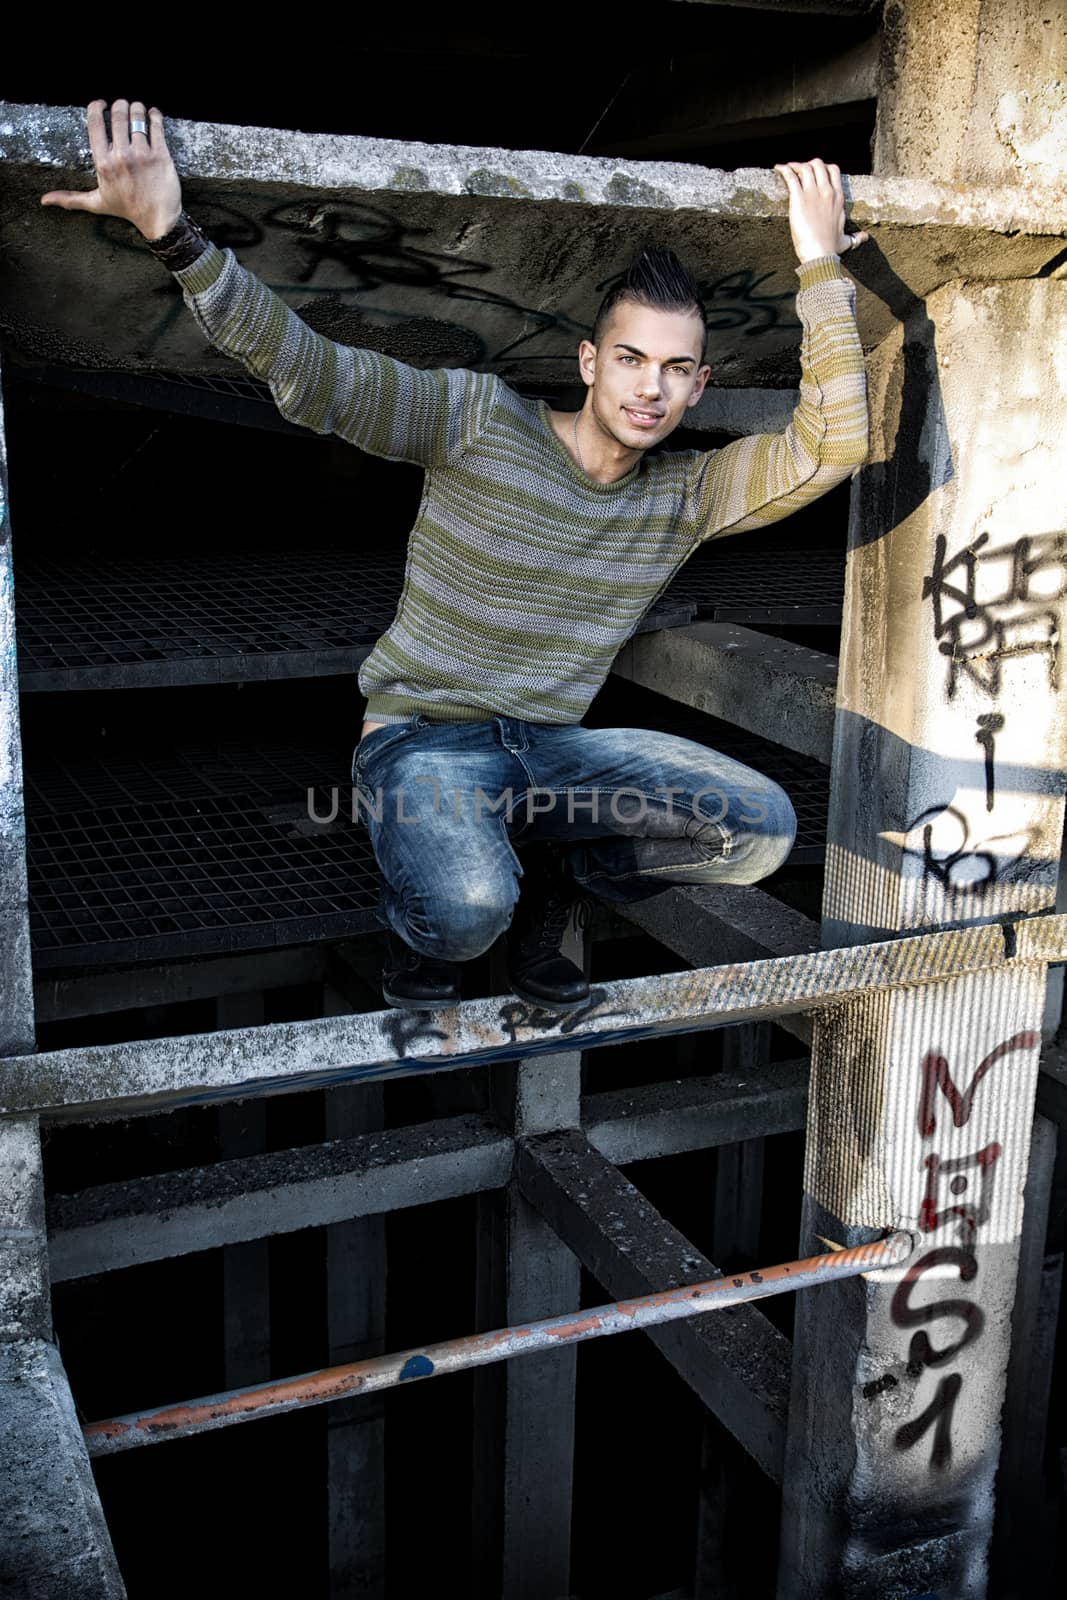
{"x":542,"y":538}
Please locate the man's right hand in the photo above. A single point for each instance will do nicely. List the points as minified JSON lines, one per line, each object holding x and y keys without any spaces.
{"x":135,"y":175}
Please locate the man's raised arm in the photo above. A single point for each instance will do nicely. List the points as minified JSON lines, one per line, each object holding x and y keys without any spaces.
{"x":767,"y":476}
{"x":373,"y":401}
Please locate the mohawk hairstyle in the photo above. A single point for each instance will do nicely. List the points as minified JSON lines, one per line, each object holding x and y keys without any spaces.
{"x":658,"y":279}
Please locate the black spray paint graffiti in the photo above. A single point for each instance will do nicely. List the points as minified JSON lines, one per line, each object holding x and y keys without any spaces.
{"x":377,"y":250}
{"x":959,"y":864}
{"x":978,"y":634}
{"x":944,"y":1206}
{"x":989,"y":725}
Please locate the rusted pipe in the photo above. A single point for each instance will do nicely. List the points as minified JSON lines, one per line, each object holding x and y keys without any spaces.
{"x":477,"y":1349}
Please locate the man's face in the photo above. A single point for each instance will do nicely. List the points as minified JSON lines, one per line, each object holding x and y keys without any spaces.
{"x":645,"y":373}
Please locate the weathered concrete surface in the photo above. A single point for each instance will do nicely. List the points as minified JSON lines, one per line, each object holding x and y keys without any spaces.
{"x":318,"y":1053}
{"x":722,"y":922}
{"x":117,"y":1225}
{"x":16,"y":991}
{"x":780,"y":690}
{"x":524,"y":1411}
{"x":955,"y":585}
{"x":737,"y":1362}
{"x":25,"y":1308}
{"x":55,"y":1544}
{"x":457,"y":255}
{"x":951,"y":730}
{"x":974,"y":92}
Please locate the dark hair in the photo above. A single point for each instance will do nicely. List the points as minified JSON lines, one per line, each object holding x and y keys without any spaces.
{"x":654,"y":278}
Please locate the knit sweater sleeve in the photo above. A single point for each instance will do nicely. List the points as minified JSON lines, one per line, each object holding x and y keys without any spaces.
{"x":767,"y":476}
{"x":380,"y":404}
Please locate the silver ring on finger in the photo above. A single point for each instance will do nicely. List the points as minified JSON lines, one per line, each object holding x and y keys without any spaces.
{"x":138,"y":126}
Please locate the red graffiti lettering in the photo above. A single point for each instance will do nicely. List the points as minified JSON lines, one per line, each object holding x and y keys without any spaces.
{"x":936,"y":1075}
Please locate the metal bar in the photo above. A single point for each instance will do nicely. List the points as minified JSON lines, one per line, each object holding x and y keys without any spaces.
{"x":279,"y":1057}
{"x":478,"y":1349}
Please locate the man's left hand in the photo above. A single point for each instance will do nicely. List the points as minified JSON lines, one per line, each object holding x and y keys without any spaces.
{"x":817,"y":209}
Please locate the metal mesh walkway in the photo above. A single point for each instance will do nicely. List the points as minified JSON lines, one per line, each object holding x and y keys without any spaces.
{"x":206,"y":848}
{"x":89,"y":624}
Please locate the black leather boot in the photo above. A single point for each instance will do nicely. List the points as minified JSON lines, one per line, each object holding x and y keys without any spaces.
{"x":415,"y":981}
{"x":537,"y":971}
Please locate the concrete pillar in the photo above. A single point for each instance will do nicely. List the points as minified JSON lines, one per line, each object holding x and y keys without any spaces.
{"x":946,"y":810}
{"x":245,"y":1267}
{"x":973,"y":92}
{"x":55,"y":1541}
{"x":16,"y":983}
{"x":355,"y":1316}
{"x":524,"y":1410}
{"x":739,"y":1168}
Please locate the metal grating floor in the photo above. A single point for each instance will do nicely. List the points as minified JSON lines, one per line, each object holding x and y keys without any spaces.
{"x":204,"y":850}
{"x":90,"y":624}
{"x":182,"y":620}
{"x":782,"y":588}
{"x":209,"y":848}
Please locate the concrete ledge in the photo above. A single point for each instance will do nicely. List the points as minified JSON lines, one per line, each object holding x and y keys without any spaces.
{"x":782,"y":691}
{"x":464,"y":256}
{"x":55,"y":1543}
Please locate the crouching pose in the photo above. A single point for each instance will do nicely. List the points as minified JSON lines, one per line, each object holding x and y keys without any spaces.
{"x":542,"y":538}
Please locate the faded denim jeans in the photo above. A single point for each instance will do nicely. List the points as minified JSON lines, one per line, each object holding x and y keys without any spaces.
{"x":446,"y":804}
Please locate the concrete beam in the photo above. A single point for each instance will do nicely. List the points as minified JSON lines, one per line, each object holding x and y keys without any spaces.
{"x":55,"y":1544}
{"x":91,"y":994}
{"x":493,"y":255}
{"x":667,"y":1119}
{"x":705,"y":924}
{"x":780,"y":690}
{"x":111,"y":1226}
{"x":772,"y":98}
{"x":116,"y":1225}
{"x":320,"y":1052}
{"x":737,"y":1363}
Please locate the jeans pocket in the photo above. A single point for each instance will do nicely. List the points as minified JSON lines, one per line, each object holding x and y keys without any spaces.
{"x":376,"y":742}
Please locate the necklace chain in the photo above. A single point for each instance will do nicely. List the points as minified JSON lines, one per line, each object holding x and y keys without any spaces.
{"x":577,"y":446}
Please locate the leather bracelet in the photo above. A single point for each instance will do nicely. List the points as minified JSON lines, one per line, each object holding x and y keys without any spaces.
{"x":181,"y":245}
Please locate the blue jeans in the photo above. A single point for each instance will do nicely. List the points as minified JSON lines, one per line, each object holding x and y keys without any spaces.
{"x":446,"y":804}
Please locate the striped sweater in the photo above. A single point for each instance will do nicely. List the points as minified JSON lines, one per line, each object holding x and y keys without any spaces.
{"x":524,"y":577}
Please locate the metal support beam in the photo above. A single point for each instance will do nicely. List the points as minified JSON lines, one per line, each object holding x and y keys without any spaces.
{"x":779,"y":690}
{"x":738,"y":1366}
{"x":197,"y":1068}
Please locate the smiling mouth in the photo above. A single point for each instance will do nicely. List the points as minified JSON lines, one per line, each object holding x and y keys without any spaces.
{"x":643,"y":418}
